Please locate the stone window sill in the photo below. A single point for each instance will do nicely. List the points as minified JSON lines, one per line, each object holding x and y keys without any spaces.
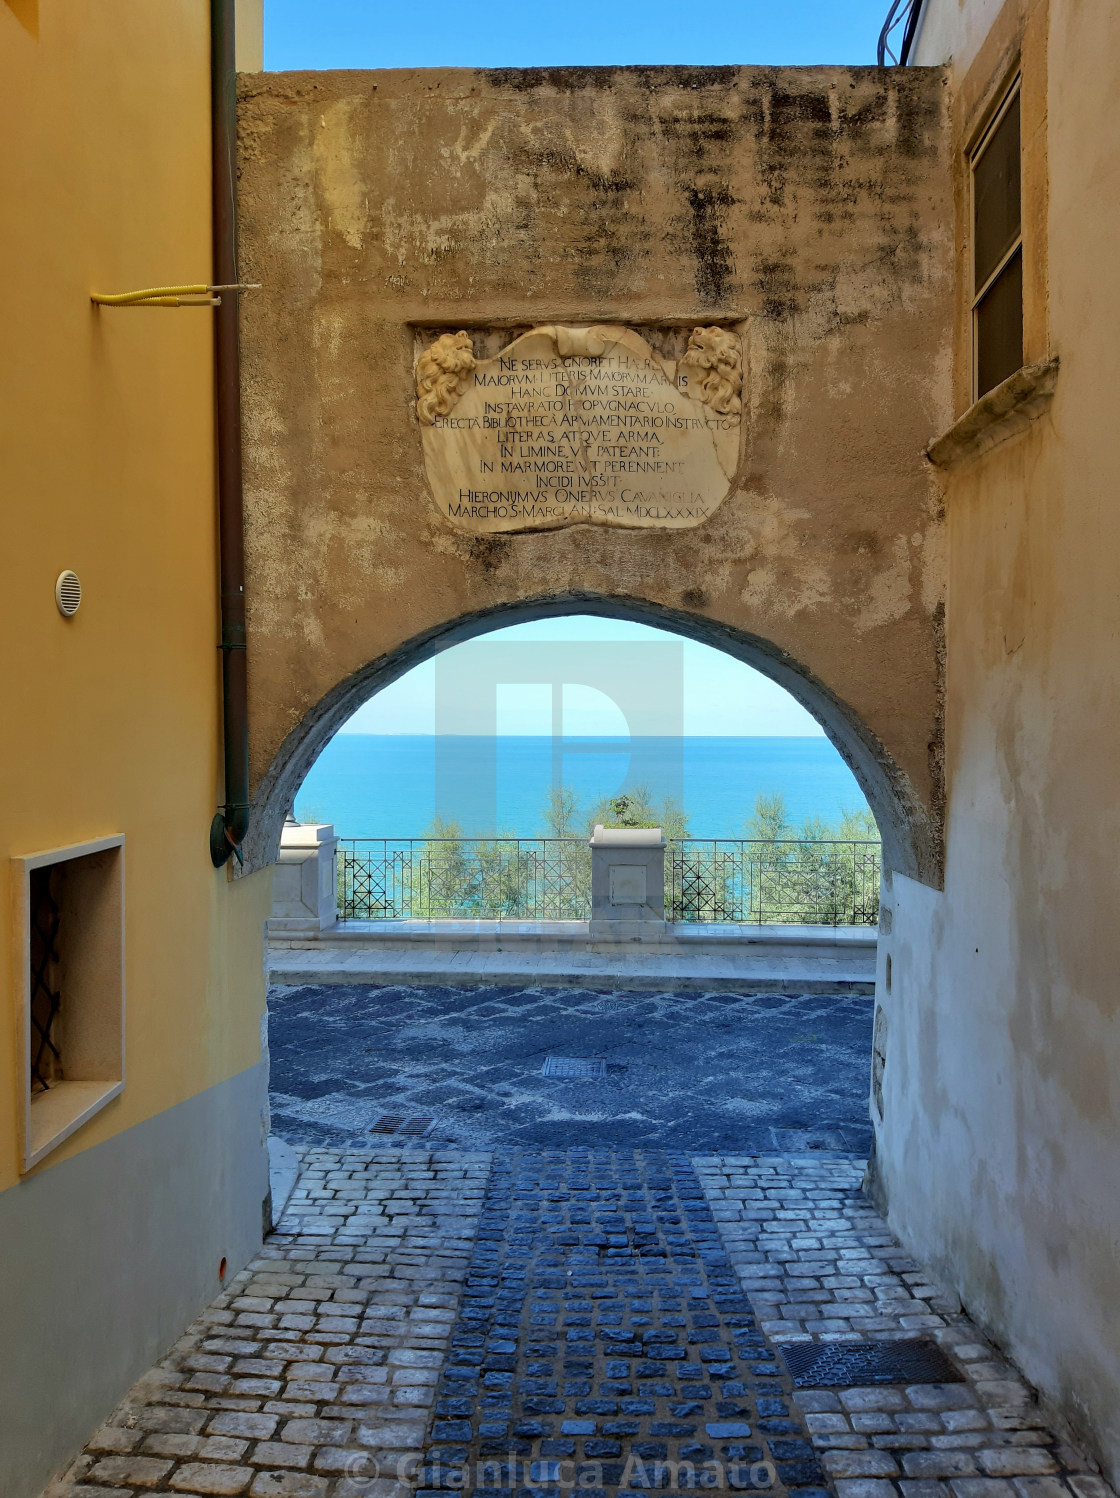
{"x":53,"y":1116}
{"x":1008,"y":409}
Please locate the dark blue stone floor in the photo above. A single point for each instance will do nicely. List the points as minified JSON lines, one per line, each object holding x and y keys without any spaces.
{"x":603,"y":1344}
{"x":715,"y":1072}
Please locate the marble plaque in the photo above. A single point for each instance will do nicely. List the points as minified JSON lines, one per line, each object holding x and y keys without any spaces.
{"x":576,"y":426}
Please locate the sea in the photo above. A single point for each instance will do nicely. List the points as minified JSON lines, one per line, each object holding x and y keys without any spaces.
{"x":394,"y":785}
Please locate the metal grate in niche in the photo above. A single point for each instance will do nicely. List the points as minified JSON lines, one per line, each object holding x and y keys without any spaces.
{"x":853,"y":1365}
{"x":45,"y":1000}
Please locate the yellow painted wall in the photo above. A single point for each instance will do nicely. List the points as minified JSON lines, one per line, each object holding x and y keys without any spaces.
{"x":1000,"y":1146}
{"x":111,"y":721}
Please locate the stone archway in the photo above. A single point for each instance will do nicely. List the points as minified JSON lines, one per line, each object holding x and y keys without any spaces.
{"x":909,"y":842}
{"x":761,"y":255}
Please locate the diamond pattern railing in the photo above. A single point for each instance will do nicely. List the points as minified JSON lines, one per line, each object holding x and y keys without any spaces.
{"x":529,"y":879}
{"x":797,"y":882}
{"x":733,"y":880}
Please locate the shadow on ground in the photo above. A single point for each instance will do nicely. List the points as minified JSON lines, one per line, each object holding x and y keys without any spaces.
{"x":715,"y":1072}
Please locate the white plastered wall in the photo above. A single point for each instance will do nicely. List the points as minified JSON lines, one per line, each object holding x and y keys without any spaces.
{"x":999,"y":1150}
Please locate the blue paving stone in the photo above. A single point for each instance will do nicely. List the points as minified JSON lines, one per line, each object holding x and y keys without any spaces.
{"x":789,"y":1450}
{"x":452,"y":1430}
{"x":800,"y":1474}
{"x":568,"y":1329}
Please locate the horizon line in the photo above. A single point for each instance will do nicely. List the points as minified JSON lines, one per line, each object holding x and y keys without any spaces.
{"x":604,"y":738}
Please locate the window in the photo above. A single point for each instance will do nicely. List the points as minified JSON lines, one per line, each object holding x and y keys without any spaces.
{"x":997,"y":250}
{"x":70,"y":930}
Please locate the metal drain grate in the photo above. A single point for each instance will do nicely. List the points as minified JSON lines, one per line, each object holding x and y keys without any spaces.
{"x":574,"y":1067}
{"x":853,"y":1365}
{"x":401,"y":1123}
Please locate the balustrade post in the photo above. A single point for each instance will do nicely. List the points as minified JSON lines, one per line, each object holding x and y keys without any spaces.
{"x":627,"y":884}
{"x":304,"y":882}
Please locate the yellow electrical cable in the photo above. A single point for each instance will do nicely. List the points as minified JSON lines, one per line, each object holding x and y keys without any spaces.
{"x":169,"y":296}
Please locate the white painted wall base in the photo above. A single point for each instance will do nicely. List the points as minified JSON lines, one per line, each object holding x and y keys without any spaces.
{"x":998,"y":1154}
{"x":106,"y":1257}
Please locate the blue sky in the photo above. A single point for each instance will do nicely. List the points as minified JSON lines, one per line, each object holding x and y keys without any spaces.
{"x":504,"y":34}
{"x":721,"y":695}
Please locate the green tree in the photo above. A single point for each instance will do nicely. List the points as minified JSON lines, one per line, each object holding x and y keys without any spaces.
{"x":769,"y":822}
{"x":817,"y":873}
{"x":637,"y":808}
{"x":562,"y":812}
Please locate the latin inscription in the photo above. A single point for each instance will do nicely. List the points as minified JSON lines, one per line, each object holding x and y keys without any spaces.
{"x":569,"y":426}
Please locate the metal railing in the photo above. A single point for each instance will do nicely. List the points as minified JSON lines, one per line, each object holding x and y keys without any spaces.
{"x":735,"y":880}
{"x":795,"y":882}
{"x":527,"y":879}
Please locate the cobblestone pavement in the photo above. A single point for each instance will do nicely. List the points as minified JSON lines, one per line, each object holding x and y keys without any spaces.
{"x":590,"y":1321}
{"x":603,"y":1342}
{"x":321,"y":1358}
{"x":819,"y":1264}
{"x":685,"y":1071}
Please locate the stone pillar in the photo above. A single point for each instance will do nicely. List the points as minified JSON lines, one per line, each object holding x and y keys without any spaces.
{"x":627,"y":883}
{"x":304,"y":889}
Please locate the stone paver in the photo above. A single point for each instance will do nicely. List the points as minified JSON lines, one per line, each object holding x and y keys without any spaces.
{"x":685,"y":1071}
{"x":819,"y":1264}
{"x":317,"y":1367}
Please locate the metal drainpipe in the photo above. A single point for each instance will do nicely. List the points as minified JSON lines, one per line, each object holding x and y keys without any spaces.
{"x":229,"y":827}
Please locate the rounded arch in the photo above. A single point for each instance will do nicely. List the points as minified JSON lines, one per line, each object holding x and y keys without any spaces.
{"x":909,"y":842}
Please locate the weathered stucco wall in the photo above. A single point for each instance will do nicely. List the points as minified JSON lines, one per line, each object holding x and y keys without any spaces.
{"x":1000,"y":1145}
{"x":810,"y":207}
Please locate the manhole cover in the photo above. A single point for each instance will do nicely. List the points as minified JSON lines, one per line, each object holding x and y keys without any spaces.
{"x":573,"y":1066}
{"x":853,"y":1365}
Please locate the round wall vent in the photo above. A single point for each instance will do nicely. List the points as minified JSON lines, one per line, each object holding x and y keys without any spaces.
{"x":68,"y":593}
